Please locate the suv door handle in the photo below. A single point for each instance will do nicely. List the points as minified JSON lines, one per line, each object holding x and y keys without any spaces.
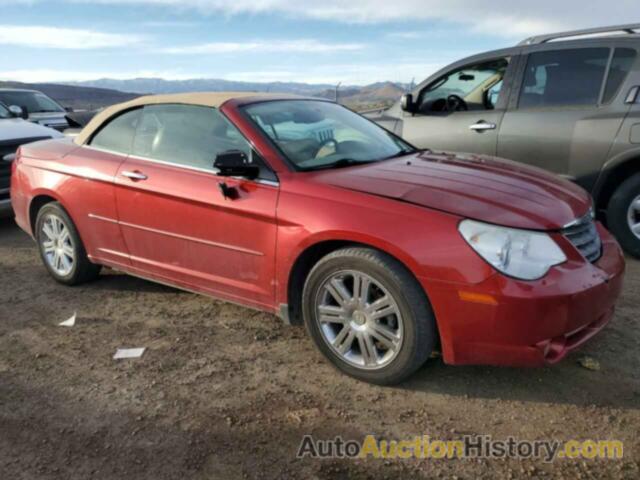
{"x":481,"y":126}
{"x":135,"y":176}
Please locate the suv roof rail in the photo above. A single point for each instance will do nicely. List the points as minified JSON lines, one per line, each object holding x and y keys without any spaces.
{"x":631,"y":28}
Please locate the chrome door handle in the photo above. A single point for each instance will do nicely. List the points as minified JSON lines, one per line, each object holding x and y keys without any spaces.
{"x":482,"y":126}
{"x":134,"y":175}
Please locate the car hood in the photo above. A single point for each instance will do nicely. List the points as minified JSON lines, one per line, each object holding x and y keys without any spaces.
{"x":472,"y":186}
{"x":18,"y":129}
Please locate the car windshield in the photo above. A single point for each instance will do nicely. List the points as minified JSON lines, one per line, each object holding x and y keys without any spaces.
{"x":4,"y":112}
{"x":34,"y":102}
{"x":315,"y":135}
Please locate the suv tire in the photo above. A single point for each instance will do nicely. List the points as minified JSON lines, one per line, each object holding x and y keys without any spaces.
{"x":621,"y":214}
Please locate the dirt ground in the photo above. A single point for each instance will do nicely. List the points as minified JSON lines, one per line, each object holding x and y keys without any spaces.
{"x":226,"y":392}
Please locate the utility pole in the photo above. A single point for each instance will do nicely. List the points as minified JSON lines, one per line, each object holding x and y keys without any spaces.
{"x":337,"y":88}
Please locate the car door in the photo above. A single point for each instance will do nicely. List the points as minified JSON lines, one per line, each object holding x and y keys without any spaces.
{"x":462,"y":109}
{"x":97,"y":164}
{"x":177,"y":224}
{"x":567,"y":108}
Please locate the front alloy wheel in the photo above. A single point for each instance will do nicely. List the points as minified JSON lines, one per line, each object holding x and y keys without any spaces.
{"x":359,"y":319}
{"x":368,"y":315}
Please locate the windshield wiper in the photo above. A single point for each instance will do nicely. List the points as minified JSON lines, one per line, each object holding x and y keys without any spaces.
{"x":343,"y":162}
{"x":401,"y":153}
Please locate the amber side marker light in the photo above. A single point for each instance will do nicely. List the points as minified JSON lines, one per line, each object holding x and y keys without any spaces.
{"x":477,"y":298}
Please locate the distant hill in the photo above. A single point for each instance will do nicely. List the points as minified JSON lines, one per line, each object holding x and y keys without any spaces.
{"x":376,"y":95}
{"x":100,"y":93}
{"x":370,"y":96}
{"x":159,"y":85}
{"x":76,"y":97}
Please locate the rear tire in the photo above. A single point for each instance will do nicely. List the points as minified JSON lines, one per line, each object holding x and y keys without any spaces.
{"x":623,"y":215}
{"x":61,"y":248}
{"x":389,"y":324}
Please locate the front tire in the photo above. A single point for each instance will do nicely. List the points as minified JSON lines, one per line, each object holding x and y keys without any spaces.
{"x":623,"y":215}
{"x":61,"y":248}
{"x":368,"y":315}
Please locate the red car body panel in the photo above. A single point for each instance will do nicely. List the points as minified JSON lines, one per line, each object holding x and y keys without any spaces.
{"x":205,"y":240}
{"x":460,"y":183}
{"x":177,"y":228}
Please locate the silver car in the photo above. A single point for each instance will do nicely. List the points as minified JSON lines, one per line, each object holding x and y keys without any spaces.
{"x":13,"y":133}
{"x":35,"y":106}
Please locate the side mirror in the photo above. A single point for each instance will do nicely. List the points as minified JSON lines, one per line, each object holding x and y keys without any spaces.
{"x":234,"y":163}
{"x":406,"y":103}
{"x":19,"y":112}
{"x":68,"y":109}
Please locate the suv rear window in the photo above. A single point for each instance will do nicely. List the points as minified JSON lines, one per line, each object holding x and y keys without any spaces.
{"x":564,"y":77}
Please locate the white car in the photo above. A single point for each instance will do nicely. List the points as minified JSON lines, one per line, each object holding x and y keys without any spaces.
{"x":13,"y":133}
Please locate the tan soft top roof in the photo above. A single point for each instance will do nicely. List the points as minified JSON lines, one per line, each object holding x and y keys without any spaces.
{"x":205,"y":99}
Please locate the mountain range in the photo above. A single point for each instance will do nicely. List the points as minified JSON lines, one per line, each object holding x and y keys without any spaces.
{"x":103,"y":92}
{"x":373,"y":95}
{"x":160,"y":85}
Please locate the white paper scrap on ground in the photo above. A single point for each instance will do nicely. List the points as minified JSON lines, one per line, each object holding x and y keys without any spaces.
{"x":128,"y":353}
{"x":70,"y":322}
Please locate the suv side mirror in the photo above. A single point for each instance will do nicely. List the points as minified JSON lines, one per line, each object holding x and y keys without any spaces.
{"x":234,"y":163}
{"x":20,"y":112}
{"x":68,"y":109}
{"x":406,"y":103}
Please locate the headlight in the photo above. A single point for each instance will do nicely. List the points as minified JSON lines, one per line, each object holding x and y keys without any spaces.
{"x":518,"y":253}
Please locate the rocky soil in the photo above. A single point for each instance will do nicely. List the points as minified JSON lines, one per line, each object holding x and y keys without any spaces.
{"x":226,"y":392}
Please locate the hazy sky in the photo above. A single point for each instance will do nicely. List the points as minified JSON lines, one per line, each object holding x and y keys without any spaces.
{"x":353,"y":41}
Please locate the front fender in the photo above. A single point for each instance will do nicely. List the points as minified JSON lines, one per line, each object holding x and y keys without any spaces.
{"x":426,"y":241}
{"x":610,"y":167}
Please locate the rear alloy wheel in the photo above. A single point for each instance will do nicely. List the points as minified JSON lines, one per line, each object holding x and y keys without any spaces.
{"x":57,"y":246}
{"x":61,"y":249}
{"x":623,"y":215}
{"x":368,"y":315}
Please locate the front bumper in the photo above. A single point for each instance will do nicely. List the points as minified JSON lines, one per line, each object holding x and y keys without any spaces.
{"x":503,"y":321}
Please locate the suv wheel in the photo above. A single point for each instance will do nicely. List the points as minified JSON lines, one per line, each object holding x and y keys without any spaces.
{"x":368,"y":315}
{"x":623,"y":215}
{"x":61,"y":249}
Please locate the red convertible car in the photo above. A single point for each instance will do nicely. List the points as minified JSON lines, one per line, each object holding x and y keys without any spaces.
{"x":303,"y":208}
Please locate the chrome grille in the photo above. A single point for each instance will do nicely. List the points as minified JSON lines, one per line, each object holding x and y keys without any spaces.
{"x":584,"y":236}
{"x":6,"y":148}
